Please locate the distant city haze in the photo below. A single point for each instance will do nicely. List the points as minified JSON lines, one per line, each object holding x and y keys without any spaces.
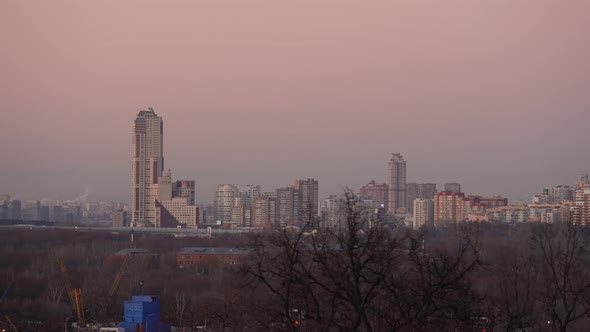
{"x":490,"y":94}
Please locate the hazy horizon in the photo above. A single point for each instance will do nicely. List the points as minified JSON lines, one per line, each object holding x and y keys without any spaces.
{"x":493,"y":95}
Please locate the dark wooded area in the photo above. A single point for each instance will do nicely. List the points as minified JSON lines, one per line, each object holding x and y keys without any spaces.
{"x":362,"y":277}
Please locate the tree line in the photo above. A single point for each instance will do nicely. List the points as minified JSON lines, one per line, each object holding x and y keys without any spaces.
{"x":363,"y":276}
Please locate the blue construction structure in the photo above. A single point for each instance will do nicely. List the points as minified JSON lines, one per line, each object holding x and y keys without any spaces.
{"x":142,"y":314}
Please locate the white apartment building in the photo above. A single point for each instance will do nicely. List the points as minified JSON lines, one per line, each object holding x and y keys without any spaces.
{"x":224,"y":202}
{"x":423,"y":212}
{"x":182,"y":211}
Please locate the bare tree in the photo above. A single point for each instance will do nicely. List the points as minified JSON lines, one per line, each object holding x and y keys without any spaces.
{"x":55,"y":291}
{"x":363,"y":276}
{"x":562,"y":249}
{"x":181,"y":306}
{"x":512,"y":299}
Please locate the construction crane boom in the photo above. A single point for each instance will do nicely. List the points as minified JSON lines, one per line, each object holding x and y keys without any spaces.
{"x":75,"y":294}
{"x":119,"y":276}
{"x":11,"y":323}
{"x":8,"y":319}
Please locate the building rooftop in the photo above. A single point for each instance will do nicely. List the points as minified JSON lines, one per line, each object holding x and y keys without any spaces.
{"x":213,"y":251}
{"x":134,"y":252}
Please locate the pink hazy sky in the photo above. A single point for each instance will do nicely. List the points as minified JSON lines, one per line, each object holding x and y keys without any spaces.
{"x":491,"y":94}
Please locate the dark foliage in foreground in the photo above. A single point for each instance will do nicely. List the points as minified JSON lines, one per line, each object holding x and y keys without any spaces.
{"x":364,"y":276}
{"x":462,"y":277}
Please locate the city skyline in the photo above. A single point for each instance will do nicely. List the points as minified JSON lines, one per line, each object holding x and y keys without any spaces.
{"x":488,"y":95}
{"x":209,"y":197}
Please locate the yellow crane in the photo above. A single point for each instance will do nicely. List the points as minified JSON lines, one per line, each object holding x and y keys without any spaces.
{"x":11,"y":323}
{"x":119,"y":276}
{"x":75,"y":294}
{"x":8,"y":319}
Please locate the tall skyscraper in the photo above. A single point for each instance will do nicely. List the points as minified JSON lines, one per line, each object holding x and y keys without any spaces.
{"x":308,"y":189}
{"x":147,"y":165}
{"x":397,"y":183}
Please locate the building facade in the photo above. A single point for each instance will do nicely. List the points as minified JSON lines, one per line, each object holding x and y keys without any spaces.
{"x":397,"y":184}
{"x":423,"y":212}
{"x":224,"y":202}
{"x":173,"y":206}
{"x":449,"y":208}
{"x":308,"y":210}
{"x":583,"y":183}
{"x":581,"y":210}
{"x":376,"y":191}
{"x":179,"y":211}
{"x":238,"y":215}
{"x":147,"y":165}
{"x":199,"y":257}
{"x":287,"y":206}
{"x":263,"y":212}
{"x":331,"y":212}
{"x":10,"y":209}
{"x":559,"y":194}
{"x":453,"y":187}
{"x":419,"y":190}
{"x":119,"y":218}
{"x":185,"y":189}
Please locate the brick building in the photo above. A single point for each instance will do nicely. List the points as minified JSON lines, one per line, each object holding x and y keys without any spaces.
{"x":200,"y":256}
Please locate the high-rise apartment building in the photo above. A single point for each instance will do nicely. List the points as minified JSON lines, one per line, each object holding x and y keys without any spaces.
{"x":119,"y":218}
{"x":308,"y":210}
{"x":248,"y":193}
{"x":31,"y":211}
{"x":147,"y":165}
{"x":561,"y":193}
{"x":10,"y":209}
{"x":177,"y":212}
{"x":173,"y":206}
{"x":453,"y":187}
{"x":331,"y":212}
{"x":557,"y":194}
{"x":419,"y":190}
{"x":238,"y":214}
{"x":185,"y":189}
{"x":224,"y":202}
{"x":449,"y":208}
{"x":262,"y":214}
{"x":272,"y":214}
{"x":375,"y":191}
{"x":397,"y":184}
{"x":423,"y":212}
{"x":581,"y":210}
{"x":288,"y":203}
{"x":583,"y":183}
